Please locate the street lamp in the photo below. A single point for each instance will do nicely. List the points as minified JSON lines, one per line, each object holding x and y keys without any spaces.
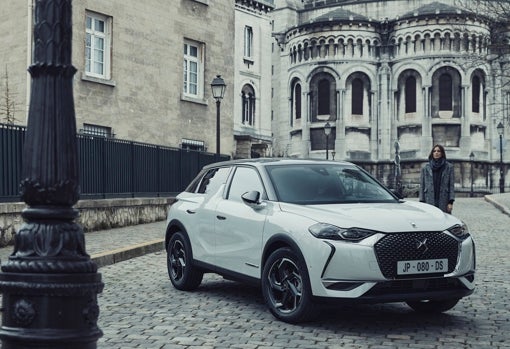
{"x":471,"y":159}
{"x":218,"y":87}
{"x":501,"y":130}
{"x":327,"y":131}
{"x":49,"y":284}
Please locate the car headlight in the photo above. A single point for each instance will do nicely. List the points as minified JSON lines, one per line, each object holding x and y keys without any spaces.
{"x":332,"y":232}
{"x":459,"y":230}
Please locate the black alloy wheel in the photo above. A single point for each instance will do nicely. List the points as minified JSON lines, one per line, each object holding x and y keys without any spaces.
{"x":286,"y":286}
{"x":182,"y":273}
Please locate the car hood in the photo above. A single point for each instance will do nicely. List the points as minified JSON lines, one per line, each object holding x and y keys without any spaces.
{"x":384,"y":217}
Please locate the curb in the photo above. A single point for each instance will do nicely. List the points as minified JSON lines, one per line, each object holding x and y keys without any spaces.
{"x":496,"y":204}
{"x":122,"y":254}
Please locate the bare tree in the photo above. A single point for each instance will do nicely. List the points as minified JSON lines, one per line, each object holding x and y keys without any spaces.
{"x":493,"y":49}
{"x":7,"y":103}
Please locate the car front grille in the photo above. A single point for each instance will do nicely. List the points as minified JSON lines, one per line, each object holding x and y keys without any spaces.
{"x":404,"y":247}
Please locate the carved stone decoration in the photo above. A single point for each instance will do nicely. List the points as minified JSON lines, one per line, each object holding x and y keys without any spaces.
{"x":24,"y":312}
{"x":49,"y":269}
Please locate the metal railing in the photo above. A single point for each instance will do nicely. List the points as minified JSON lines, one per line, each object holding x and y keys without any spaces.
{"x":109,"y":167}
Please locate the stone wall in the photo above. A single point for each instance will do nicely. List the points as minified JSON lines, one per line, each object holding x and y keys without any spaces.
{"x":94,"y":214}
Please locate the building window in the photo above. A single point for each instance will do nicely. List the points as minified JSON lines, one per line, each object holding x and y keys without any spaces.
{"x":323,"y":97}
{"x":97,"y":46}
{"x":297,"y":100}
{"x":248,"y":42}
{"x":357,"y":97}
{"x":190,"y":144}
{"x":97,"y":130}
{"x":248,"y":103}
{"x":445,"y":92}
{"x":475,"y":100}
{"x":410,"y":94}
{"x":193,"y":69}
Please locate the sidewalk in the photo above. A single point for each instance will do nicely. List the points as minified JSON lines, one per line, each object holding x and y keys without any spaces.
{"x":111,"y":246}
{"x":500,"y":201}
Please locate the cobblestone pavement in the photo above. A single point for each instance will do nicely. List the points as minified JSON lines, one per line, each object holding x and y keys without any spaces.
{"x":141,"y":309}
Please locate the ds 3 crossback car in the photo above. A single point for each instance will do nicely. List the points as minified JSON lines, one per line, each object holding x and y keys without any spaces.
{"x":307,"y":231}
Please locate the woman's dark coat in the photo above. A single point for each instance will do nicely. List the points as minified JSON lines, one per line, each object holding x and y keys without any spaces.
{"x":446,"y":189}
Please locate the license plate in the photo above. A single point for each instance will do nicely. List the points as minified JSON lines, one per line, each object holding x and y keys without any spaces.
{"x":425,"y":266}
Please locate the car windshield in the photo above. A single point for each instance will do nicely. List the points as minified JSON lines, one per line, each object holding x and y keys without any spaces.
{"x":310,"y":184}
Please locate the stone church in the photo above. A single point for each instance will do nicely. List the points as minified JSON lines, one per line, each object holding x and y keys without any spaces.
{"x":387,"y":80}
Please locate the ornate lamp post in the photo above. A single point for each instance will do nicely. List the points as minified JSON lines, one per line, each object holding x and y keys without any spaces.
{"x":471,"y":160}
{"x":398,"y":170}
{"x":327,"y":132}
{"x":501,"y":130}
{"x":218,"y":87}
{"x":49,"y":283}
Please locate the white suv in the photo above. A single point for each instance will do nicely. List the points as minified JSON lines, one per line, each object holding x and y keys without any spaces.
{"x":307,"y":231}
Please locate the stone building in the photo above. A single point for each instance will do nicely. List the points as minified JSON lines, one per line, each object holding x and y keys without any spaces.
{"x":144,"y":68}
{"x":416,"y":72}
{"x":252,"y":86}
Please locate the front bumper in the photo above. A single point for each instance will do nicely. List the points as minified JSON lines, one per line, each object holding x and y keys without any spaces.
{"x":353,"y":272}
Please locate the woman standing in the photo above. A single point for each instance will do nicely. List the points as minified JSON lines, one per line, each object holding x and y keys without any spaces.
{"x":437,"y":180}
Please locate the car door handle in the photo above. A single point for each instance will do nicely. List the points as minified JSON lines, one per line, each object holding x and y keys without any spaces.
{"x":190,"y":211}
{"x":221,"y":218}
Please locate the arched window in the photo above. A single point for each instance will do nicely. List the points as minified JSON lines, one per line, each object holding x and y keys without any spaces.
{"x":323,"y":97}
{"x":297,"y":100}
{"x":475,"y":99}
{"x":357,"y":97}
{"x":248,"y":103}
{"x":445,"y":92}
{"x":410,"y":94}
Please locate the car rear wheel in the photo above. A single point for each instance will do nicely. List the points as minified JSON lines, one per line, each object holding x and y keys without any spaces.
{"x":433,"y":306}
{"x":182,"y":273}
{"x":286,"y":286}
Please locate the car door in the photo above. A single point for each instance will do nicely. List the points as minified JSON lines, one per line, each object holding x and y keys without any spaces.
{"x":239,"y":227}
{"x":202,"y":218}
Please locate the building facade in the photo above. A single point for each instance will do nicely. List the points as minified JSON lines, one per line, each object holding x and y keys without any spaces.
{"x":144,"y":69}
{"x":252,"y":87}
{"x":390,"y":78}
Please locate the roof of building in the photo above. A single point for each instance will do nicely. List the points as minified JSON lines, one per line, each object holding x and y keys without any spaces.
{"x":340,"y":14}
{"x":435,"y":8}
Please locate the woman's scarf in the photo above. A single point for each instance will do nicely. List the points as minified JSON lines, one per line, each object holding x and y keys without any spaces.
{"x":437,"y":171}
{"x":437,"y":164}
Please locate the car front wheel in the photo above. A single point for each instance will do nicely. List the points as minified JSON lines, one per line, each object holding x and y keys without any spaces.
{"x":433,"y":306}
{"x":286,"y":286}
{"x":182,"y":273}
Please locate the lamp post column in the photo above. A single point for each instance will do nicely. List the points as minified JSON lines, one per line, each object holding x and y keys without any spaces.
{"x":501,"y":174}
{"x":49,"y":284}
{"x":327,"y":147}
{"x":472,"y":158}
{"x":218,"y":103}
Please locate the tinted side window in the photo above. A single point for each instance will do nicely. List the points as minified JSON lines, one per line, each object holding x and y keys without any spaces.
{"x":245,"y":179}
{"x":213,"y":179}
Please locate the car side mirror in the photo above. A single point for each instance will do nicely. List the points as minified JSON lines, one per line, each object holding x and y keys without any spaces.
{"x":251,"y":198}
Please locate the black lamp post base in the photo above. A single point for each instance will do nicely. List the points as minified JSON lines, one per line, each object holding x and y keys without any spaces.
{"x":50,"y":310}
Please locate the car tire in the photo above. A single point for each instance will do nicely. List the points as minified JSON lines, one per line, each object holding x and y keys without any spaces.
{"x":433,"y":306}
{"x":183,"y":275}
{"x":286,"y":286}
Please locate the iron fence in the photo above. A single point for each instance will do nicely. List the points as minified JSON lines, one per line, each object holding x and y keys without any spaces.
{"x":110,"y":167}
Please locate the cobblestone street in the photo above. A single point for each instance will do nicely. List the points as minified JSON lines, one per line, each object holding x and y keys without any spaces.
{"x":141,"y":309}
